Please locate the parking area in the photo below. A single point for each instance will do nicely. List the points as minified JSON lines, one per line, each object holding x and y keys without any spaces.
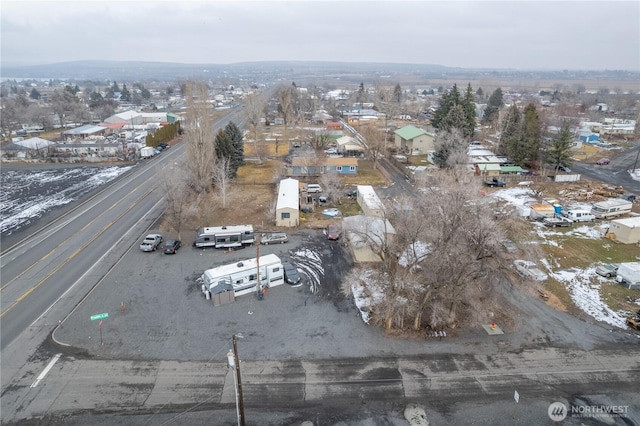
{"x":156,"y":309}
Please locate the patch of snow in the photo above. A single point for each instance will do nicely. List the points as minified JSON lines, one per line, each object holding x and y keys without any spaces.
{"x":586,"y":295}
{"x":365,"y":297}
{"x":518,"y":196}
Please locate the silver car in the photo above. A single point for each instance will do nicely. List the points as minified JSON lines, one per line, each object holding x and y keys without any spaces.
{"x":274,"y":238}
{"x":529,"y":270}
{"x":607,"y":270}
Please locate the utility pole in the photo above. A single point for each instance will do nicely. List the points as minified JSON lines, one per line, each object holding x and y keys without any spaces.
{"x":239,"y":383}
{"x":258,"y":289}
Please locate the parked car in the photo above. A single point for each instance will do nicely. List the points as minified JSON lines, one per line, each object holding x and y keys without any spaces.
{"x":602,"y":161}
{"x":291,"y":275}
{"x":495,"y":182}
{"x":564,"y":168}
{"x":322,"y":199}
{"x":352,"y":193}
{"x":628,"y":197}
{"x":529,"y":270}
{"x":607,"y":270}
{"x":172,"y":246}
{"x":333,"y":212}
{"x":274,"y":238}
{"x":332,"y":232}
{"x":151,"y":242}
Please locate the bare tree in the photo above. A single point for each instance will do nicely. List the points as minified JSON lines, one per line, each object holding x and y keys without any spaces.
{"x":375,"y":141}
{"x":255,"y":104}
{"x":222,"y":180}
{"x":199,"y":136}
{"x":177,"y":196}
{"x":331,"y":185}
{"x":450,"y":260}
{"x":285,"y":104}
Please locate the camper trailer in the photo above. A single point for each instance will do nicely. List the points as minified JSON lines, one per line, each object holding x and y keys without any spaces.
{"x":611,"y":208}
{"x":234,"y":236}
{"x":242,"y":277}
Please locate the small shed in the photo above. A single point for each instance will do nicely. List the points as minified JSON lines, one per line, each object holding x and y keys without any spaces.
{"x":287,"y":205}
{"x":488,"y":169}
{"x":626,"y":231}
{"x":369,"y":202}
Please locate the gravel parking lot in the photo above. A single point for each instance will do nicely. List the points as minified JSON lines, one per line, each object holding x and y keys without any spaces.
{"x":157,"y":312}
{"x":166,"y":317}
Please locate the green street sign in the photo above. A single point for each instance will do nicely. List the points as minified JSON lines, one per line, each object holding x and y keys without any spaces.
{"x":99,"y":316}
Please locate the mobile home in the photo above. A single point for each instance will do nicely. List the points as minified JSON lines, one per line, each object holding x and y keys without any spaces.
{"x":242,"y":277}
{"x":611,"y":208}
{"x":225,"y":236}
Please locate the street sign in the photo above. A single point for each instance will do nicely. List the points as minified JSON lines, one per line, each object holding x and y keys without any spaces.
{"x":99,"y":316}
{"x":516,"y":396}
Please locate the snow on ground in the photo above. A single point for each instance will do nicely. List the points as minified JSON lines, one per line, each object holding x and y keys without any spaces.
{"x":582,"y":284}
{"x":635,"y":174}
{"x":584,"y":293}
{"x":29,"y":194}
{"x":309,"y":262}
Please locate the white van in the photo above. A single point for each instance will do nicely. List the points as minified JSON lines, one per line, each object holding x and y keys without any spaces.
{"x":313,"y":187}
{"x":579,"y":215}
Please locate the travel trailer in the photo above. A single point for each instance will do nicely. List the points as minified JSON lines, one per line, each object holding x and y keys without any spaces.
{"x":234,"y":236}
{"x":611,"y":208}
{"x":242,"y":277}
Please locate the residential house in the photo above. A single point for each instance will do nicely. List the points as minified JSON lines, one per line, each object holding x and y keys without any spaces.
{"x":314,"y":166}
{"x":287,"y":204}
{"x":414,"y":141}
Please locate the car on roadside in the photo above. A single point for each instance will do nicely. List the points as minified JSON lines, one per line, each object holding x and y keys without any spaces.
{"x":151,"y":242}
{"x":529,"y":270}
{"x":171,"y":246}
{"x":608,"y":270}
{"x":352,"y":193}
{"x":603,"y":161}
{"x":274,"y":238}
{"x":291,"y":274}
{"x":332,"y":232}
{"x":564,"y":168}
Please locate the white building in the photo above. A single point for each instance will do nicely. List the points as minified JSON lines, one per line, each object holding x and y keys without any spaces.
{"x":287,"y":205}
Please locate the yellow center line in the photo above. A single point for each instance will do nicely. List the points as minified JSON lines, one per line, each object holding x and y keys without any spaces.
{"x":73,"y":255}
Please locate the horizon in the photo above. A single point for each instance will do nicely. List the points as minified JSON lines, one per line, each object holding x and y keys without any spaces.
{"x":494,"y":35}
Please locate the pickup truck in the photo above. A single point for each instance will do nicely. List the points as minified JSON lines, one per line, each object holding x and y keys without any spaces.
{"x":151,"y":242}
{"x":557,"y":221}
{"x":495,"y":182}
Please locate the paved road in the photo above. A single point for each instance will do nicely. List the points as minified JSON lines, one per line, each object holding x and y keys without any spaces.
{"x":616,"y":172}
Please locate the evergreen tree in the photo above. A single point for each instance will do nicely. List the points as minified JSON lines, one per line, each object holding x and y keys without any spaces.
{"x":494,"y":106}
{"x":125,"y":95}
{"x":76,"y":89}
{"x":95,"y":100}
{"x":560,"y":151}
{"x":397,"y":93}
{"x":34,"y":94}
{"x":447,"y":101}
{"x":236,"y":159}
{"x":510,"y":136}
{"x":360,"y":96}
{"x":469,"y":107}
{"x":224,"y":147}
{"x":531,"y":135}
{"x":115,"y":87}
{"x":455,"y":119}
{"x":480,"y":94}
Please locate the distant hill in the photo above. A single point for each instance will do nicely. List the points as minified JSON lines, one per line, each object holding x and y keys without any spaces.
{"x":284,"y":71}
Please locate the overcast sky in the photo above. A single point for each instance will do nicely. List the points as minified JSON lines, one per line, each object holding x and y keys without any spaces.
{"x":478,"y":34}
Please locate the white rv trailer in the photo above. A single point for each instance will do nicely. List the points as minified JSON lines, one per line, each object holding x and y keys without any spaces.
{"x":241,"y":277}
{"x":225,"y":236}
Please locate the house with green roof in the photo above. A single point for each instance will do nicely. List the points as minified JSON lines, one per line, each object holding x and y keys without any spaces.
{"x":414,"y":141}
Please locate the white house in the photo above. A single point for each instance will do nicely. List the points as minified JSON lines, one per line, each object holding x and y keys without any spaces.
{"x":369,"y":202}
